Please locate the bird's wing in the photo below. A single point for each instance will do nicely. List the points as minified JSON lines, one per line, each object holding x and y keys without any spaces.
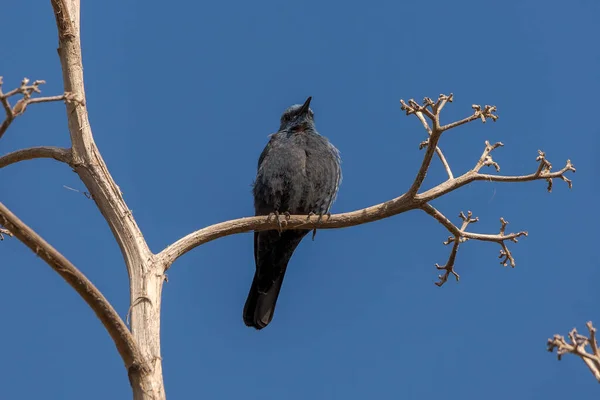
{"x":266,"y":150}
{"x":336,"y":171}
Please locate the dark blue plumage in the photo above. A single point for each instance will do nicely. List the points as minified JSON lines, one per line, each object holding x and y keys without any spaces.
{"x":298,"y":173}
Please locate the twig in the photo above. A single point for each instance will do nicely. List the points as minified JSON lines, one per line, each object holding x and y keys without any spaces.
{"x":78,"y":281}
{"x":438,"y":151}
{"x":5,"y":232}
{"x":486,"y":158}
{"x":26,"y":91}
{"x":432,"y":111}
{"x":577,"y":346}
{"x":473,"y":175}
{"x":487,"y":112}
{"x":444,"y":162}
{"x":56,"y":153}
{"x":449,"y":266}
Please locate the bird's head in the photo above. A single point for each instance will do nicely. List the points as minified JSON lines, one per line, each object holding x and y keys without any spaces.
{"x":298,"y":117}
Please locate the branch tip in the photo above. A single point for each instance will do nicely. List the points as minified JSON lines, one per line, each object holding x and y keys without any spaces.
{"x":577,"y":345}
{"x":4,"y":231}
{"x":544,"y":171}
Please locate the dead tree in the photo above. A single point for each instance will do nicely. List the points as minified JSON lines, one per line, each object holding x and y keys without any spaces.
{"x":139,"y":345}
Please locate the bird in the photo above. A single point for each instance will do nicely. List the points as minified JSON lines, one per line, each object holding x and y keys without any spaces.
{"x":298,"y":173}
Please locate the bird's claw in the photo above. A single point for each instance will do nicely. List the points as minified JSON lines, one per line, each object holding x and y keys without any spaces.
{"x":277,"y":216}
{"x":318,"y":220}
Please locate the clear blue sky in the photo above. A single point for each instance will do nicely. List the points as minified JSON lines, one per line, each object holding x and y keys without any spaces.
{"x":182,"y":96}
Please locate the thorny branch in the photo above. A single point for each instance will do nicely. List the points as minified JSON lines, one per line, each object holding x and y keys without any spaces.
{"x":26,"y":91}
{"x":577,"y":346}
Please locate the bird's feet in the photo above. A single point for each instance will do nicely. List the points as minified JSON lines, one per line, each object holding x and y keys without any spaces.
{"x":280,"y":226}
{"x":310,"y":214}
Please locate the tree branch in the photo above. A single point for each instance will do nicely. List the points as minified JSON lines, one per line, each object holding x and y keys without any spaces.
{"x":577,"y":345}
{"x":542,"y":173}
{"x":398,"y":205}
{"x":78,"y":281}
{"x":438,"y":151}
{"x":56,"y":153}
{"x":262,"y":223}
{"x":460,"y":235}
{"x":26,"y":91}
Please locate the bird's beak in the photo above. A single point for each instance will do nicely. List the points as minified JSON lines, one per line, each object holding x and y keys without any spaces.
{"x":305,"y":106}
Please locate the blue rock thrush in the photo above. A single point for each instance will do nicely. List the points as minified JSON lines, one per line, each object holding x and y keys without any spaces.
{"x":298,"y":173}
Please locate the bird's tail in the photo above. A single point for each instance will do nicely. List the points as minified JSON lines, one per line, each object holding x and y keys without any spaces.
{"x":272,"y":253}
{"x":260,"y":306}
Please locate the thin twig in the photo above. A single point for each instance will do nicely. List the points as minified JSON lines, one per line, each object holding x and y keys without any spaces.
{"x":487,"y":112}
{"x":486,"y":158}
{"x":444,"y":162}
{"x":26,"y":91}
{"x":438,"y":151}
{"x":5,"y":232}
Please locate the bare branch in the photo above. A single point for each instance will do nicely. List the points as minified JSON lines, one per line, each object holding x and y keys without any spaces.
{"x":57,"y":153}
{"x":548,"y":176}
{"x":419,"y":115}
{"x":460,"y":235}
{"x":438,"y":151}
{"x":263,"y":223}
{"x":431,"y":143}
{"x":487,"y":112}
{"x":473,"y":175}
{"x":577,"y":346}
{"x":403,"y":203}
{"x":26,"y":91}
{"x":444,"y":162}
{"x":486,"y":158}
{"x":78,"y":281}
{"x":432,"y":111}
{"x":448,"y":267}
